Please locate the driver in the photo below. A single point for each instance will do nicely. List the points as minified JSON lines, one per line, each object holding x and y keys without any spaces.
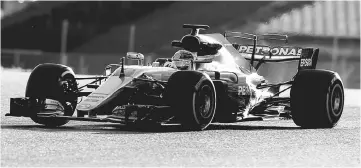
{"x":182,"y":60}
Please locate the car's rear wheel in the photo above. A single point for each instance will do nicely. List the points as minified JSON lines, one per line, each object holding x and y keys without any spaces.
{"x":192,"y":97}
{"x":56,"y":84}
{"x":317,"y":99}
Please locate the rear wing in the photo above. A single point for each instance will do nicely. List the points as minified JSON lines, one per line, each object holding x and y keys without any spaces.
{"x":307,"y":57}
{"x":249,"y":36}
{"x":270,"y":54}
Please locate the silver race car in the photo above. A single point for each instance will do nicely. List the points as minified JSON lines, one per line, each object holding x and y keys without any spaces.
{"x":208,"y":80}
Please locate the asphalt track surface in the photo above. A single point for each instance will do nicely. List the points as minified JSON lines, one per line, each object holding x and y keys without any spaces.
{"x":256,"y":143}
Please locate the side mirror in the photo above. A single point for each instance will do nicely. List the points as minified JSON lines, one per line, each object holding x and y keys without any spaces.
{"x":108,"y":71}
{"x":204,"y":59}
{"x":155,"y":64}
{"x":136,"y":56}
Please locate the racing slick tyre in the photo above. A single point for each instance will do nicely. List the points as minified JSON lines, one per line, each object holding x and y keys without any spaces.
{"x":192,"y":97}
{"x":317,"y":99}
{"x":55,"y":82}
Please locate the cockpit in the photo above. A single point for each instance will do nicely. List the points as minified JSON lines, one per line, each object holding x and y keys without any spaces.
{"x":211,"y":52}
{"x":182,"y":60}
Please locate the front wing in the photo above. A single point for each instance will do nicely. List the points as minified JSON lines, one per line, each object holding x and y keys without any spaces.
{"x":27,"y":107}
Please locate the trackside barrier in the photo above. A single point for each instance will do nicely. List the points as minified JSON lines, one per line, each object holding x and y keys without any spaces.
{"x":94,"y":64}
{"x":81,"y":63}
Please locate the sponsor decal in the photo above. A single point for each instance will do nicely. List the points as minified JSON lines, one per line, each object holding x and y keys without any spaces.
{"x":243,"y":90}
{"x":91,"y":100}
{"x":306,"y":62}
{"x":205,"y":58}
{"x":100,"y":93}
{"x":50,"y":101}
{"x":97,"y":95}
{"x":275,"y":51}
{"x":84,"y":106}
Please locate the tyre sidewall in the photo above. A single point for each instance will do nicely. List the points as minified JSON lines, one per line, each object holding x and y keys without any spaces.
{"x":201,"y":120}
{"x":182,"y":90}
{"x":311,"y":98}
{"x":332,"y":115}
{"x":44,"y":83}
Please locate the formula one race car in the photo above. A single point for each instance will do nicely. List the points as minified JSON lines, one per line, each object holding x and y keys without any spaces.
{"x":208,"y":80}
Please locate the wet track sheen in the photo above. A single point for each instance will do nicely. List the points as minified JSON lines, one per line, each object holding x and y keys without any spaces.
{"x":256,"y":143}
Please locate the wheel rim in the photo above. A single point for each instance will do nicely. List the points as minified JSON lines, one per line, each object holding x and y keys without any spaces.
{"x":66,"y":104}
{"x":336,"y":100}
{"x":204,"y":101}
{"x":68,"y":84}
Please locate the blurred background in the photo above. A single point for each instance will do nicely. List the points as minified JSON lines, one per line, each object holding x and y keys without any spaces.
{"x":88,"y":35}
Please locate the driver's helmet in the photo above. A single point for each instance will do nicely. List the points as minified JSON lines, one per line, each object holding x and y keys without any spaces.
{"x":182,"y":59}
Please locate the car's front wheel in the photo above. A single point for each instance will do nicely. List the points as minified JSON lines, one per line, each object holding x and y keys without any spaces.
{"x":54,"y":86}
{"x":192,"y":97}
